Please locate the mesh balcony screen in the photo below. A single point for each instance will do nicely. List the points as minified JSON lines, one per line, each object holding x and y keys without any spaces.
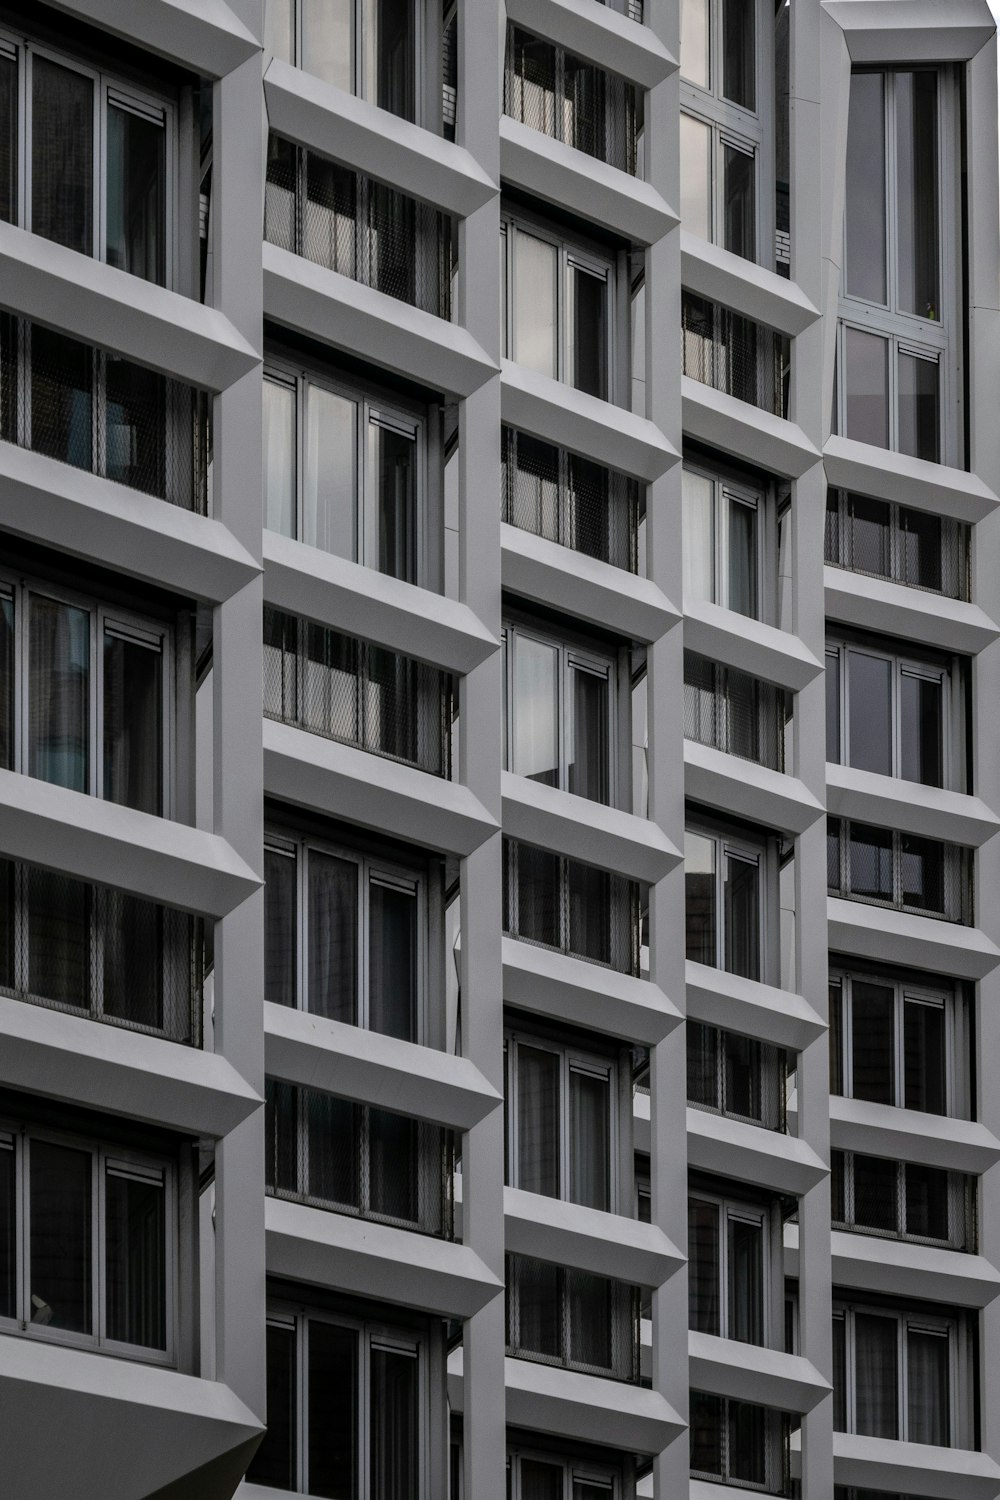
{"x":903,"y":1200}
{"x":736,"y":1075}
{"x":91,"y":950}
{"x":735,"y":355}
{"x":887,"y":868}
{"x":350,"y":223}
{"x":883,"y":540}
{"x":90,"y":408}
{"x":734,"y":712}
{"x":559,"y":1315}
{"x":353,"y":1158}
{"x":574,"y":101}
{"x":740,"y":1443}
{"x":570,"y":500}
{"x":562,"y":903}
{"x":360,"y":694}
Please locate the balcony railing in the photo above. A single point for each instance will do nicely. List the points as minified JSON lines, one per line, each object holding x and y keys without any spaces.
{"x":560,"y":1316}
{"x":736,"y":1076}
{"x":90,"y":408}
{"x":357,"y":693}
{"x":734,"y":712}
{"x":350,"y":223}
{"x":576,"y":908}
{"x":735,"y":355}
{"x":885,"y":540}
{"x":90,"y":950}
{"x":903,"y":1200}
{"x":570,"y":500}
{"x":571,"y":100}
{"x":349,"y":1158}
{"x":904,"y":871}
{"x":740,"y":1444}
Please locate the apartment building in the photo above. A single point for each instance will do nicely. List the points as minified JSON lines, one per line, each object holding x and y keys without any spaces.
{"x":498,"y":778}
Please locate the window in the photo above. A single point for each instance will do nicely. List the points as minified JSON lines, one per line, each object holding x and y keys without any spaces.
{"x":570,"y":500}
{"x":727,"y":1269}
{"x":90,"y":161}
{"x":902,"y":1200}
{"x":734,"y":712}
{"x":85,"y":696}
{"x":335,"y":685}
{"x":349,"y":223}
{"x":889,"y":712}
{"x":561,"y":1108}
{"x":345,"y":472}
{"x":902,"y":870}
{"x":886,"y":540}
{"x":722,"y":130}
{"x":561,"y":1316}
{"x":733,"y":354}
{"x":86,"y":1244}
{"x":557,"y":307}
{"x":353,"y":1158}
{"x":349,"y":1406}
{"x":898,"y":353}
{"x":724,"y":902}
{"x":894,"y":1375}
{"x":366,"y":47}
{"x":562,"y":903}
{"x":723,"y":543}
{"x":898,"y":1042}
{"x":736,"y":1442}
{"x":559,"y":713}
{"x":544,"y":1476}
{"x":345,"y":936}
{"x":736,"y":1075}
{"x":576,"y":102}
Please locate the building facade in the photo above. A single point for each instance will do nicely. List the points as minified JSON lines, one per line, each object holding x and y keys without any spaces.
{"x":498,"y":774}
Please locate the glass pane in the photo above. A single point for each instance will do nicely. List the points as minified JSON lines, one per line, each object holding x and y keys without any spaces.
{"x":330,"y":228}
{"x":393,"y":478}
{"x":279,"y":39}
{"x":7,"y":930}
{"x":533,"y":488}
{"x":280,"y":927}
{"x":535,"y":304}
{"x":135,"y":426}
{"x":60,"y":1238}
{"x":876,"y":1383}
{"x":706,"y":1433}
{"x":333,"y":1148}
{"x":133,"y":723}
{"x":8,"y":1231}
{"x":742,"y":557}
{"x":538,"y":896}
{"x":695,"y":41}
{"x":58,"y":938}
{"x":333,"y":937}
{"x":6,"y":683}
{"x":833,"y":707}
{"x":703,"y":1064}
{"x":134,"y":953}
{"x":703,"y":1267}
{"x":279,"y":457}
{"x":873,"y":1051}
{"x":389,"y":69}
{"x":62,"y":155}
{"x":838,"y":1189}
{"x":699,"y":898}
{"x":746,"y":1281}
{"x":590,"y":1139}
{"x":280,"y":193}
{"x":916,"y":193}
{"x":922,"y":729}
{"x":870,"y":863}
{"x":919,"y":407}
{"x":926,"y":1201}
{"x":742,"y":916}
{"x":590,"y":912}
{"x":62,"y":392}
{"x":866,"y":384}
{"x":330,"y":480}
{"x":591,"y":1312}
{"x":924,"y":1057}
{"x":588,"y":764}
{"x":869,"y":687}
{"x":587,"y":325}
{"x":327,"y":48}
{"x":538,"y":1124}
{"x":536,"y":711}
{"x":742,"y":1076}
{"x":530,"y":94}
{"x":923,"y":868}
{"x":282,"y":1154}
{"x":392,"y":961}
{"x":393,"y":1165}
{"x":331,"y":1439}
{"x":135,"y":1261}
{"x":927,"y":1388}
{"x":875,"y":1205}
{"x":834,"y":878}
{"x":868,"y":536}
{"x":600,"y":514}
{"x":864,"y":216}
{"x":699,"y":536}
{"x":836,"y":1017}
{"x":839,"y":1374}
{"x":739,"y":182}
{"x":738,"y":59}
{"x":136,"y":206}
{"x":540,"y":1481}
{"x":274,"y":1463}
{"x":8,"y":139}
{"x":539,"y":1306}
{"x":696,"y":176}
{"x":921,"y":549}
{"x":394,"y":1446}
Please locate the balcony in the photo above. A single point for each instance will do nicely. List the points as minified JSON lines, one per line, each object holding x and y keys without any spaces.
{"x":575,"y":908}
{"x":92,"y":409}
{"x":560,"y":1316}
{"x":89,"y":950}
{"x":732,"y":711}
{"x":350,"y":223}
{"x":735,"y":355}
{"x":900,"y":871}
{"x":349,"y":690}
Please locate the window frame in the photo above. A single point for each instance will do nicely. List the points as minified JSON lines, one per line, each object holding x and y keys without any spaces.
{"x":905,"y":1321}
{"x":727,"y":489}
{"x":902,"y":665}
{"x":745,"y":849}
{"x":574,"y":1471}
{"x":145,"y":1164}
{"x":122,"y":622}
{"x":952,"y":870}
{"x":728,"y":1210}
{"x":138,"y":99}
{"x":361,"y":22}
{"x":954,"y":554}
{"x":956,"y":1239}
